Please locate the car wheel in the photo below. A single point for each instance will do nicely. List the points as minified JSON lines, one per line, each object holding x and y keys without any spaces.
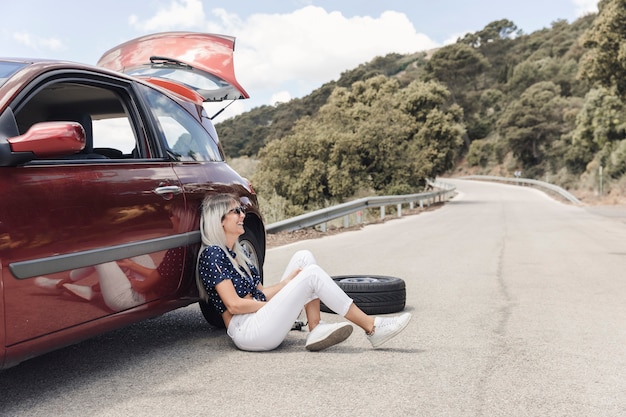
{"x":373,"y":294}
{"x":251,"y":245}
{"x":211,"y":315}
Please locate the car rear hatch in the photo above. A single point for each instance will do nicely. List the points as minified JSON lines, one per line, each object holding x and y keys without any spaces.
{"x":200,"y":62}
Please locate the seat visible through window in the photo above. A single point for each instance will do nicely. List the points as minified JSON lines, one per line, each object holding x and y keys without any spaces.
{"x":85,"y":120}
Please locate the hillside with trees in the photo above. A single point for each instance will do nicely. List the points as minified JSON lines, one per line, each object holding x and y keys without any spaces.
{"x":549,"y":104}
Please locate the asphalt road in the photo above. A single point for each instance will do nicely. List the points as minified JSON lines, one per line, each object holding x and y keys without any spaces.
{"x":519,"y":310}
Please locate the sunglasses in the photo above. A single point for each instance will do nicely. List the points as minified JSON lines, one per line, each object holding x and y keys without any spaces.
{"x":237,"y":210}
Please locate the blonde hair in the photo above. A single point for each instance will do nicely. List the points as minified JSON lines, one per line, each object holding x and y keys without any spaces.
{"x":214,"y":208}
{"x":187,"y":219}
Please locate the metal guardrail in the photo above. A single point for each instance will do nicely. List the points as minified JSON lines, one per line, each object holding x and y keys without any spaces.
{"x":320,"y":217}
{"x":525,"y":181}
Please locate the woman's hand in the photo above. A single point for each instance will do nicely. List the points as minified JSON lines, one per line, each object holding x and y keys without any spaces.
{"x":235,"y":304}
{"x":273,"y":290}
{"x":150,"y":276}
{"x":292,"y":275}
{"x":141,"y":286}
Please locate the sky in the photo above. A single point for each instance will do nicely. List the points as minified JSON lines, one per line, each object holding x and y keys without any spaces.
{"x":284,"y":48}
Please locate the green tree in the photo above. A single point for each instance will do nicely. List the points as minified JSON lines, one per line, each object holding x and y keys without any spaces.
{"x":461,"y":68}
{"x":495,"y":31}
{"x":458,"y":66}
{"x":605,"y":62}
{"x":480,"y":153}
{"x":601,"y":122}
{"x":373,"y":136}
{"x":533,"y":122}
{"x":293,"y":168}
{"x":529,"y":72}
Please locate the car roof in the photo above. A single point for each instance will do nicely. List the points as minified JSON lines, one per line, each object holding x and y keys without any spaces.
{"x":35,"y":67}
{"x":195,"y":66}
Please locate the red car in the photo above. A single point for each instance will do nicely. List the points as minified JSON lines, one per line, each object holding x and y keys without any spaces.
{"x":102,"y":172}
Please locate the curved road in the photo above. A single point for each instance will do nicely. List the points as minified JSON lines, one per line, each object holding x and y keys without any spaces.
{"x":519,"y":310}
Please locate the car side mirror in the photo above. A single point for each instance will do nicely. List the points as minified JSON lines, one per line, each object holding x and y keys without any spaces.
{"x":43,"y":140}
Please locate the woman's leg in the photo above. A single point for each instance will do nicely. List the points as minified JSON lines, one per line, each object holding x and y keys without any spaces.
{"x":313,"y":313}
{"x":268,"y":327}
{"x":358,"y":317}
{"x":115,"y":287}
{"x":302,"y":259}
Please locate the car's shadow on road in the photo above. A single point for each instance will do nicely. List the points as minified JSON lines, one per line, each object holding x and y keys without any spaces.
{"x":174,"y":336}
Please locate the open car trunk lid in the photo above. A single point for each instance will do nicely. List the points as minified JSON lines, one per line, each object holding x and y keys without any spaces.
{"x":202,"y":62}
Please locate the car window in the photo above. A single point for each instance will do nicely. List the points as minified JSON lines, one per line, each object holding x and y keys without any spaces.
{"x":114,"y":132}
{"x":9,"y":68}
{"x":102,"y":110}
{"x":185,"y":137}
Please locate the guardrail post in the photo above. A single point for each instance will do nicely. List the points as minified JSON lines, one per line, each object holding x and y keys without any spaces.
{"x":382,"y":212}
{"x":346,"y":221}
{"x":411,"y":205}
{"x":323,"y":227}
{"x":399,"y":210}
{"x":359,"y":217}
{"x":421,"y":204}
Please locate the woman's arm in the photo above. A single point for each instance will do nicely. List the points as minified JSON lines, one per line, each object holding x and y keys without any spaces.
{"x":235,"y":304}
{"x":273,"y":290}
{"x":151,"y":276}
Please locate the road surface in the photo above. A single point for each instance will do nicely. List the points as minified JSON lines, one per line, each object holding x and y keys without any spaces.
{"x":519,"y":307}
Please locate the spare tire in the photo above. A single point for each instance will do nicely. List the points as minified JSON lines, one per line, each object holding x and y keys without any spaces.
{"x":374,"y":294}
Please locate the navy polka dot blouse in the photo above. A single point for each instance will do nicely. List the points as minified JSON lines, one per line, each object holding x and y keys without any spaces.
{"x":214,"y":267}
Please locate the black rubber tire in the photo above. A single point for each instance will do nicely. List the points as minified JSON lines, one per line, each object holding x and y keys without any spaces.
{"x":251,"y":244}
{"x":211,"y":315}
{"x":374,"y":294}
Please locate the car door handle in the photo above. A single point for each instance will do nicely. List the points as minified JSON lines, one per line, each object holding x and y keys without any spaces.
{"x":168,"y":191}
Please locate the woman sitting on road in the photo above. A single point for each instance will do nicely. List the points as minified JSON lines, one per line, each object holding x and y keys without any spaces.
{"x":259,"y":318}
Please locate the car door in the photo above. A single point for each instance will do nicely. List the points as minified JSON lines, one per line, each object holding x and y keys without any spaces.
{"x":82,"y":235}
{"x":200,"y":68}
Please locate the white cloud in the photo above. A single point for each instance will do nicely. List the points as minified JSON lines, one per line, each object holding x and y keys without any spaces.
{"x":180,"y":14}
{"x":37,"y":42}
{"x":290,"y":54}
{"x":312,"y":46}
{"x":280,"y":97}
{"x":584,"y":7}
{"x":455,"y":37}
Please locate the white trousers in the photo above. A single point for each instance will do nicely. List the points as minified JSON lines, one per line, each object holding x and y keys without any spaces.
{"x":268,"y":327}
{"x":116,"y":290}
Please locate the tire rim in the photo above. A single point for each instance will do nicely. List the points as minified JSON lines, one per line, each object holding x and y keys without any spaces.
{"x":248,"y":247}
{"x":357,"y":280}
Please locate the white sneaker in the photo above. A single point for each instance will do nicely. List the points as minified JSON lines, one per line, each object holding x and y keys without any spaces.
{"x":325,"y":335}
{"x":81,"y":291}
{"x":386,"y":328}
{"x":48,"y":283}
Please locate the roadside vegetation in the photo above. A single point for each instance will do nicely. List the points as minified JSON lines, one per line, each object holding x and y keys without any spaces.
{"x":549,"y":104}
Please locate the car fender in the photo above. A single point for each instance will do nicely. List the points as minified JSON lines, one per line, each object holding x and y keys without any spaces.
{"x":2,"y":321}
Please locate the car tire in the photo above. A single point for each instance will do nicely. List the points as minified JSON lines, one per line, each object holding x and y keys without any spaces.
{"x":374,"y":294}
{"x":211,"y":315}
{"x":251,"y":245}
